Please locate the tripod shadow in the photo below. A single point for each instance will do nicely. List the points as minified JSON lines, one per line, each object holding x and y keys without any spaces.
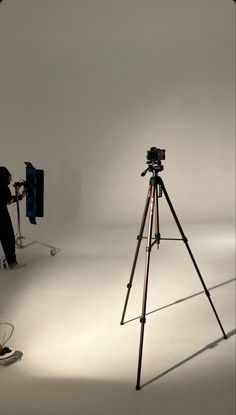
{"x":187,"y":359}
{"x":182,"y":299}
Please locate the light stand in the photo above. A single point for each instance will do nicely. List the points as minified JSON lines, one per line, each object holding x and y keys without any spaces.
{"x":19,"y":237}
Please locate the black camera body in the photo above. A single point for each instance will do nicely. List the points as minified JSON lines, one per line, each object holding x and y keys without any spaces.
{"x":154,"y":157}
{"x":155,"y":154}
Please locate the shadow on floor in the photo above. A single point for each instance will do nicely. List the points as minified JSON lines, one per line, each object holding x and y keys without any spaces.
{"x":187,"y":359}
{"x":183,"y":299}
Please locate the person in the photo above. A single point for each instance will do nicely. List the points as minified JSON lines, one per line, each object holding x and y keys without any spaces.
{"x":7,"y":236}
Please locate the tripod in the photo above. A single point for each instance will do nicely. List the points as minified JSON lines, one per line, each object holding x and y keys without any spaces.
{"x":156,"y":188}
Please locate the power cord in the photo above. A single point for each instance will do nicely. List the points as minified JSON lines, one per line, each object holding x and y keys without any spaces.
{"x":4,"y":340}
{"x":7,"y":355}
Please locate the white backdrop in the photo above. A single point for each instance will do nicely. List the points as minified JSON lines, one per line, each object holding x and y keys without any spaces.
{"x":88,"y":86}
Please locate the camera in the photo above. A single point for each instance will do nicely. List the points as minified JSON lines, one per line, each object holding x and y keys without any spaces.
{"x":155,"y":154}
{"x":154,"y":157}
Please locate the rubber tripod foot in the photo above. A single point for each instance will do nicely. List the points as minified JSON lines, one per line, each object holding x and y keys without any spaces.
{"x":225,"y":337}
{"x":122,"y":323}
{"x":137,"y":388}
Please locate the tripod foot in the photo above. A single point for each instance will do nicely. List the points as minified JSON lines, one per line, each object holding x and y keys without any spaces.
{"x":225,"y":337}
{"x":137,"y":388}
{"x":122,"y":323}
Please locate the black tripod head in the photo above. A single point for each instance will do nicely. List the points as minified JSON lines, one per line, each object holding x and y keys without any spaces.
{"x":154,"y":158}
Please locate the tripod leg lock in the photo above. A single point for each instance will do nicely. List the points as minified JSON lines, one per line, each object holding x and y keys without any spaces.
{"x":129,"y":285}
{"x":207,"y":293}
{"x":139,"y":237}
{"x":157,"y":235}
{"x":143,"y":320}
{"x":148,"y":248}
{"x":185,"y":240}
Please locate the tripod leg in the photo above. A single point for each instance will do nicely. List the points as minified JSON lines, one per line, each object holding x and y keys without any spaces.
{"x":157,"y":222}
{"x":145,"y":288}
{"x":139,"y":237}
{"x":192,"y":257}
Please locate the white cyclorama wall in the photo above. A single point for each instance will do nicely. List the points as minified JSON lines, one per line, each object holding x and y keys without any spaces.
{"x":88,"y":86}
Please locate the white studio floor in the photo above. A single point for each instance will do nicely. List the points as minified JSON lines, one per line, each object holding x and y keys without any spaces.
{"x":78,"y":359}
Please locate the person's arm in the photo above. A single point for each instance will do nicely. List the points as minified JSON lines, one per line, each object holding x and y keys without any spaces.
{"x":20,"y":197}
{"x":13,"y":199}
{"x":5,"y":196}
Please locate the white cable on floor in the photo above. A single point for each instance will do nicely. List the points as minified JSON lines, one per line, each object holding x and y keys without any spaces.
{"x":4,"y":339}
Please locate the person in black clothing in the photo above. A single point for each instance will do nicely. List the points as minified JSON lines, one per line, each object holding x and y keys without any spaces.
{"x":7,"y":236}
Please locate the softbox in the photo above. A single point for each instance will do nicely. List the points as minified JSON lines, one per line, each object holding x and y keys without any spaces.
{"x":35,"y":192}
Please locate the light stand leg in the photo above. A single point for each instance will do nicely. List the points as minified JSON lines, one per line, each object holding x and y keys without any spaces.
{"x":191,"y":255}
{"x":145,"y":288}
{"x":139,"y":238}
{"x":19,"y":238}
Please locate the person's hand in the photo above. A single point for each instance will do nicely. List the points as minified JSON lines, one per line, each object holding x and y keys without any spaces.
{"x":24,"y":193}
